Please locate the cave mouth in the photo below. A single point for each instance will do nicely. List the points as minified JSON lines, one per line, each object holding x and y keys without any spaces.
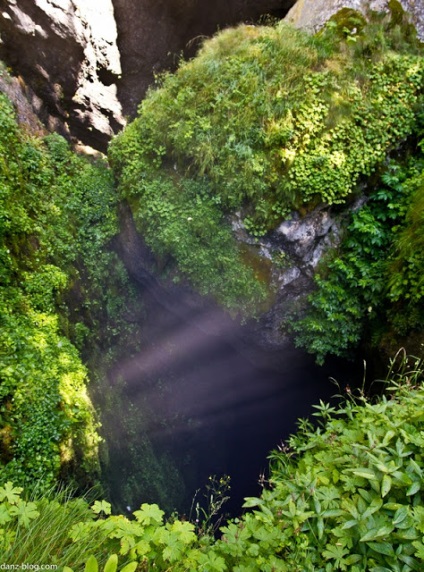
{"x":199,"y":403}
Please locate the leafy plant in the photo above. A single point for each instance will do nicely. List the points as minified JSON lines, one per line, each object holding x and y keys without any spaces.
{"x":57,"y":213}
{"x":375,"y":277}
{"x":265,"y":119}
{"x":345,"y":494}
{"x":110,"y":566}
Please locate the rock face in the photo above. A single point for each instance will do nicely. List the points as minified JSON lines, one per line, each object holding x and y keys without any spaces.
{"x":312,"y":14}
{"x":294,"y":250}
{"x":66,"y":52}
{"x":88,"y":63}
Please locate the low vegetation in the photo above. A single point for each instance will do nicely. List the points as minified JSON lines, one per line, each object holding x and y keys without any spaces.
{"x":373,"y":283}
{"x":266,"y":119}
{"x":345,"y":494}
{"x":57,"y":213}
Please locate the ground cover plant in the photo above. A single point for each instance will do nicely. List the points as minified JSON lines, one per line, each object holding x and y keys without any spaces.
{"x":346,"y":494}
{"x":373,"y":282}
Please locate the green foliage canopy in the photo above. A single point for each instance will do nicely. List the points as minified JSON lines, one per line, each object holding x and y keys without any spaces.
{"x":56,"y":210}
{"x":374,"y":281}
{"x":264,"y":120}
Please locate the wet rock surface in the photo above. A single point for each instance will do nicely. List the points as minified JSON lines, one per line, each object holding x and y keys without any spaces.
{"x":294,"y":250}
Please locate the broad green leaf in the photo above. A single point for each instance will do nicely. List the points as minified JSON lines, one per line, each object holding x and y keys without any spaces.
{"x":131,"y":567}
{"x":374,"y":534}
{"x":149,"y":513}
{"x":400,"y":515}
{"x":414,"y":488}
{"x":79,"y":531}
{"x":402,"y":477}
{"x":365,"y":473}
{"x":4,"y":515}
{"x":10,"y":493}
{"x":112,"y":563}
{"x":332,"y":513}
{"x":211,"y":562}
{"x":337,"y":553}
{"x":374,"y":506}
{"x":265,"y":515}
{"x":366,"y":495}
{"x":91,"y":565}
{"x":185,"y":531}
{"x":386,"y":485}
{"x":25,"y":511}
{"x":353,"y":558}
{"x":172,"y":552}
{"x":142,"y":548}
{"x":416,"y":468}
{"x":388,"y":437}
{"x":349,"y":524}
{"x":409,"y":561}
{"x":407,"y":534}
{"x":102,"y":506}
{"x":394,"y":506}
{"x":250,"y":502}
{"x":382,"y":548}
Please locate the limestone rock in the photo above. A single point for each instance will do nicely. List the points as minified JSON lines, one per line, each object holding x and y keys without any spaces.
{"x":312,"y":14}
{"x":66,"y":52}
{"x":305,"y":235}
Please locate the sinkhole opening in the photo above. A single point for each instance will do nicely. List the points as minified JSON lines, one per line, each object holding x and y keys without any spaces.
{"x":203,"y":401}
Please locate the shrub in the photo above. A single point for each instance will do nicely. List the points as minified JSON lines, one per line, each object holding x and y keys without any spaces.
{"x":56,"y":214}
{"x":264,"y":120}
{"x":373,"y":281}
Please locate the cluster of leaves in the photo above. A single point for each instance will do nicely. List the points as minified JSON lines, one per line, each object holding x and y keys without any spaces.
{"x":57,"y":211}
{"x":111,"y":565}
{"x":375,"y":277}
{"x":344,"y":495}
{"x":406,"y":282}
{"x":37,"y":530}
{"x":263,"y":120}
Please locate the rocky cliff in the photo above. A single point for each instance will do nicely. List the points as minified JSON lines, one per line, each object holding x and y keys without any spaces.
{"x":87,"y":64}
